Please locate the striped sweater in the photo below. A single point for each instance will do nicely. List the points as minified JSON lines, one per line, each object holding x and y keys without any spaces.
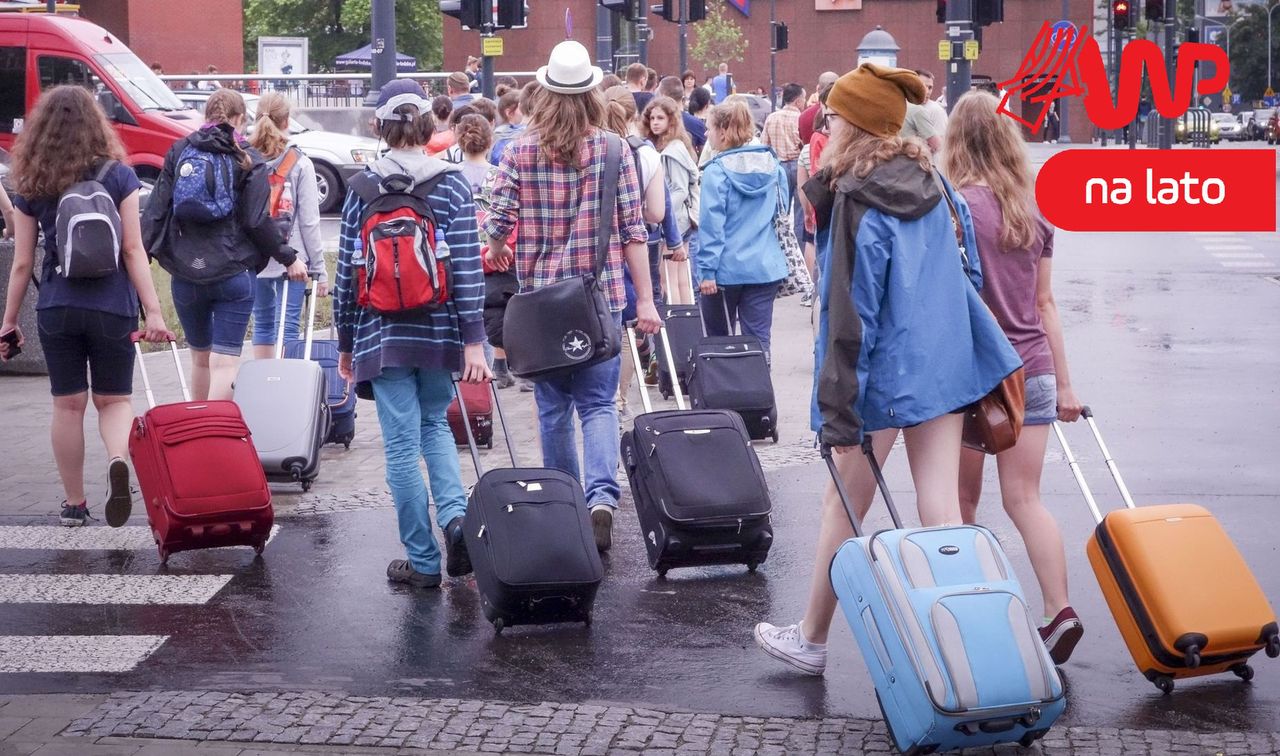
{"x":414,"y":340}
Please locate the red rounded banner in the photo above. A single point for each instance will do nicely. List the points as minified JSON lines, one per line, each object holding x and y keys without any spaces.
{"x":1159,"y":190}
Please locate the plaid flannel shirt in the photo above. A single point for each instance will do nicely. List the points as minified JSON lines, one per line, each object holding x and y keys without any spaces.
{"x":782,"y":133}
{"x":558,"y":209}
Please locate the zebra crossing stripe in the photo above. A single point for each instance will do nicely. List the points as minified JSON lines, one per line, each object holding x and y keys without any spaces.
{"x":110,"y":589}
{"x":1245,"y":263}
{"x":76,"y":653}
{"x":57,"y":537}
{"x":1239,"y":255}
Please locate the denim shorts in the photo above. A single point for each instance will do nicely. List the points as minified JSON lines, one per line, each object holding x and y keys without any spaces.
{"x":73,"y":338}
{"x":216,"y":315}
{"x":1042,"y":400}
{"x":266,"y":310}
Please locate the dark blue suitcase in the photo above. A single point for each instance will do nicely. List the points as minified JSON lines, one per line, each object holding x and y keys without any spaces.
{"x":342,"y":395}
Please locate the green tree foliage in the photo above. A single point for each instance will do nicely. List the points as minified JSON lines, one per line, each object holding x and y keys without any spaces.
{"x":1249,"y":53}
{"x":338,"y":26}
{"x":717,"y":39}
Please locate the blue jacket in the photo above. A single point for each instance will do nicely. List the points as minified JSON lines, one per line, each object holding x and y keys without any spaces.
{"x":911,"y":339}
{"x":736,"y":240}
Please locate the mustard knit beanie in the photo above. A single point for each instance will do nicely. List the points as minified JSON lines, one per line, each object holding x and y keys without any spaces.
{"x":874,"y":98}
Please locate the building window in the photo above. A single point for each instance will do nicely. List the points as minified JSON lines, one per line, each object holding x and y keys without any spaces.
{"x":13,"y":87}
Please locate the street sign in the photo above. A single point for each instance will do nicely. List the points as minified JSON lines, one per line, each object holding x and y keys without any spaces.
{"x":491,"y":47}
{"x":1269,"y":93}
{"x":1064,"y":33}
{"x":971,"y":49}
{"x":1226,"y":94}
{"x":944,"y":50}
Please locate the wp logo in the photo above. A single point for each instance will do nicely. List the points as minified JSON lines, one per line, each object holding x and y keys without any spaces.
{"x":1057,"y":67}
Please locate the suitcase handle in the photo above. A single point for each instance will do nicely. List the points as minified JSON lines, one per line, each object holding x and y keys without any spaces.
{"x":675,"y":378}
{"x":868,"y":451}
{"x":1087,"y":413}
{"x":136,"y":337}
{"x":284,"y":310}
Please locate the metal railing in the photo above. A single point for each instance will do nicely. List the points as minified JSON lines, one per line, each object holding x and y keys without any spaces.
{"x":314,"y":90}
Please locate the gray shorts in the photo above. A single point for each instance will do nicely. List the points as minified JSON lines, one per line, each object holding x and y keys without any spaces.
{"x":1042,"y":400}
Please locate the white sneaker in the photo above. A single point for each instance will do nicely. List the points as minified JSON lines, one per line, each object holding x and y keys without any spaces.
{"x":788,"y":645}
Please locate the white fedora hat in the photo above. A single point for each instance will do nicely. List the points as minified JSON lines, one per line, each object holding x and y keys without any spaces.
{"x":569,"y":71}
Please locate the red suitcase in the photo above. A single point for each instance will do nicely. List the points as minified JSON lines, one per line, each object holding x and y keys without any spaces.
{"x":479,"y":412}
{"x":201,"y":480}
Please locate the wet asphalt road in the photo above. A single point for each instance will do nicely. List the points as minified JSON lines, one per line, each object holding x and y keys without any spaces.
{"x":1178,"y":354}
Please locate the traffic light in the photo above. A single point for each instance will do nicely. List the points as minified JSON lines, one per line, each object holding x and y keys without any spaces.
{"x":511,"y":14}
{"x":697,"y":10}
{"x":469,"y":12}
{"x":1120,"y":18}
{"x":942,"y":11}
{"x":630,"y":9}
{"x":1193,"y":35}
{"x":670,"y":10}
{"x":1154,"y":10}
{"x":779,"y":36}
{"x":987,"y":12}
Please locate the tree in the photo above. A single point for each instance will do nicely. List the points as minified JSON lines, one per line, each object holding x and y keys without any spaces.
{"x":717,"y":39}
{"x":338,"y":26}
{"x":1249,"y":53}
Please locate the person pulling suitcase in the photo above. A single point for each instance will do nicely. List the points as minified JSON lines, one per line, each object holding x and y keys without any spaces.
{"x":409,"y":341}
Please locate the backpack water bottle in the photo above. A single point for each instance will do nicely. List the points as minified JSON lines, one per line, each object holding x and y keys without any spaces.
{"x":88,"y":229}
{"x":204,"y":186}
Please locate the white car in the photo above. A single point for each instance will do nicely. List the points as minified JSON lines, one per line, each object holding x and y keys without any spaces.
{"x":337,"y":157}
{"x":1229,"y":126}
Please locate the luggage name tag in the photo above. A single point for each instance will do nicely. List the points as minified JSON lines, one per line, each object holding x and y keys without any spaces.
{"x":530,"y":487}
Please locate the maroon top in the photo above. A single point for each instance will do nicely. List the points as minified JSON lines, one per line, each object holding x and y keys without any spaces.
{"x":807,"y":118}
{"x":1009,"y":279}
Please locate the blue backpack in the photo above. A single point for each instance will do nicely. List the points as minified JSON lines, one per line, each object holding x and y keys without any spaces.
{"x":204,"y":186}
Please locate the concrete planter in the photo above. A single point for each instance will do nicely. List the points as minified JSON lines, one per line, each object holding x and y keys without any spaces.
{"x":31,"y":361}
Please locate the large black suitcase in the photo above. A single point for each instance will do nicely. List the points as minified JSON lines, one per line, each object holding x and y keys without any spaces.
{"x":732,"y":373}
{"x":530,"y":541}
{"x":699,"y":491}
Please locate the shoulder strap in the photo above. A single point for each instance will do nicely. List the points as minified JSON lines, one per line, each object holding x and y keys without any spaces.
{"x":956,"y":225}
{"x":366,"y":185}
{"x":608,"y":199}
{"x":101,"y":175}
{"x":287,"y":162}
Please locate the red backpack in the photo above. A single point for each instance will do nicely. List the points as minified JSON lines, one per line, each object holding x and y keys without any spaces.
{"x":400,"y":269}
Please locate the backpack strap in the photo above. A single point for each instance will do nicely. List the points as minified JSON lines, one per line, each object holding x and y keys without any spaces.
{"x":106,"y":167}
{"x":367,"y":185}
{"x":287,"y":162}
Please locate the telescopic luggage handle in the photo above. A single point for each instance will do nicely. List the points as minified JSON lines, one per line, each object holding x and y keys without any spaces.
{"x":868,"y":451}
{"x":466,"y":424}
{"x":1087,"y":414}
{"x":635,"y":359}
{"x":309,"y":293}
{"x":136,"y":337}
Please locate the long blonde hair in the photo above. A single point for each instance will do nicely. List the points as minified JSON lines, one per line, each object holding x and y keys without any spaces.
{"x":563,"y":121}
{"x":675,"y":125}
{"x":983,"y":146}
{"x":271,"y":130}
{"x":862,"y":152}
{"x":223,"y":105}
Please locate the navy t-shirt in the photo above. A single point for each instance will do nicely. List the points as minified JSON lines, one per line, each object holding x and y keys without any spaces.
{"x":112,"y":294}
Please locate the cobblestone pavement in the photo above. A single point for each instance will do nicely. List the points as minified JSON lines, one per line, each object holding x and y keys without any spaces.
{"x":315,"y":718}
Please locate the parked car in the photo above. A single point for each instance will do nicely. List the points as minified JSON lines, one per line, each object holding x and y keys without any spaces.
{"x":40,"y":51}
{"x":1229,"y":126}
{"x":1246,"y":120}
{"x":1272,"y":130}
{"x":337,"y":157}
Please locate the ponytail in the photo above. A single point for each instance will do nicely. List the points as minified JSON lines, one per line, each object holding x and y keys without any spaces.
{"x":223,"y":105}
{"x":270,"y":131}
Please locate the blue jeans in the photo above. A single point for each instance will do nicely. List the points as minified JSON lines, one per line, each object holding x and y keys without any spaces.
{"x":266,"y":308}
{"x":591,"y":391}
{"x":752,"y":304}
{"x":411,"y":410}
{"x":215,"y":316}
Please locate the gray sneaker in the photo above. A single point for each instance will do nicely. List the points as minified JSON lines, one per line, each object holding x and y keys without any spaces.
{"x":74,"y":515}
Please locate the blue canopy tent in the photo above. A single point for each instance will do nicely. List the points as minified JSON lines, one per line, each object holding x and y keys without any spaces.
{"x":363,"y":58}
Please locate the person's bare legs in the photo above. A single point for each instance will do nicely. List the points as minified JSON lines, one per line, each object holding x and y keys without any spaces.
{"x":1020,"y":469}
{"x":67,"y":435}
{"x":835,"y":529}
{"x":115,"y":420}
{"x":971,"y":467}
{"x":199,"y":375}
{"x":933,"y":451}
{"x":222,"y":373}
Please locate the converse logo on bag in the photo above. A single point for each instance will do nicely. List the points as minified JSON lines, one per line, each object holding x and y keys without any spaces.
{"x":576,"y":345}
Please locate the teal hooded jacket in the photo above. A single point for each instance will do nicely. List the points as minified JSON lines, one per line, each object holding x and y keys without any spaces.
{"x":741,"y":189}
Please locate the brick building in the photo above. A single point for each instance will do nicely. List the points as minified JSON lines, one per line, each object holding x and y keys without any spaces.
{"x":820,"y":40}
{"x":181,"y":36}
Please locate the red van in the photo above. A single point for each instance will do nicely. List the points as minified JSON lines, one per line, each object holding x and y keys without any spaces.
{"x":41,"y":51}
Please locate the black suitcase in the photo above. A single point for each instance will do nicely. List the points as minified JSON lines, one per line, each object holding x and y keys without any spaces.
{"x":683,"y":327}
{"x":530,"y":541}
{"x":731,"y":373}
{"x":699,"y":491}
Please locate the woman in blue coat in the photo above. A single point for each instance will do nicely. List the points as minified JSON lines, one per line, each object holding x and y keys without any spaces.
{"x":740,"y":261}
{"x":905,"y":341}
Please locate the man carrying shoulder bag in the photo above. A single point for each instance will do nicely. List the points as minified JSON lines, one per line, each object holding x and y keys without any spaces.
{"x":577,"y":203}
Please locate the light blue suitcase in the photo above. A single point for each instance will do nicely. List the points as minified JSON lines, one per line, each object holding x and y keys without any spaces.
{"x":946,"y":634}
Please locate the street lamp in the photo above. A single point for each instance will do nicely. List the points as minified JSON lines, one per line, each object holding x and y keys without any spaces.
{"x":879,"y":47}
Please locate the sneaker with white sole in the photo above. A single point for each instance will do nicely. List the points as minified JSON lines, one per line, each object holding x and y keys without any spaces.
{"x":602,"y":526}
{"x":119,"y":498}
{"x":788,"y":645}
{"x":1062,"y":634}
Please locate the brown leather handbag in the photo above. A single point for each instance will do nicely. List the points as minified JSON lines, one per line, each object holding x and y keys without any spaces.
{"x":992,"y":423}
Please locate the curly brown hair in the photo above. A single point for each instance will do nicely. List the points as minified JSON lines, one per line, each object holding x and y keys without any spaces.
{"x":66,"y":135}
{"x":475,"y":135}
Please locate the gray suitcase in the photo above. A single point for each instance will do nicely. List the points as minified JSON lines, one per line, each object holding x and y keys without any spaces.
{"x":285,"y":404}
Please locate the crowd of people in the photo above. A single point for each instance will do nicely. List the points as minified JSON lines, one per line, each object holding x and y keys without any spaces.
{"x":932,"y":263}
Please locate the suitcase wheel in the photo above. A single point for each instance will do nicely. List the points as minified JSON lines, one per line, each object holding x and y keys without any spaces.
{"x":1163,"y":682}
{"x":662,"y":573}
{"x":259,"y":547}
{"x":1192,"y":656}
{"x":1273,"y":646}
{"x":587,"y":620}
{"x":489,"y":445}
{"x":775,"y":435}
{"x":306,"y":485}
{"x":1027,"y":740}
{"x":1243,"y":671}
{"x":498,"y":624}
{"x":752,"y":565}
{"x":164,"y":555}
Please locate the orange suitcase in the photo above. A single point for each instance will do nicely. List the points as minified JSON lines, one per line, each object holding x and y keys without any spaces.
{"x":1182,"y":596}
